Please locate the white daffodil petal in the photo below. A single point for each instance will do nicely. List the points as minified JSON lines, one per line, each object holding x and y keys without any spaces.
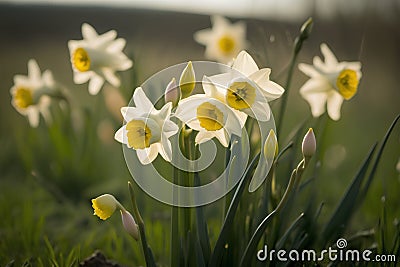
{"x":202,"y":36}
{"x":334,"y":104}
{"x":33,"y":116}
{"x":316,"y":85}
{"x":48,"y":79}
{"x":203,"y":136}
{"x":88,"y":32}
{"x":260,"y":76}
{"x":130,"y":113}
{"x":259,"y":110}
{"x":148,"y":155}
{"x":219,"y":22}
{"x":223,"y":137}
{"x":117,"y":45}
{"x":21,"y":80}
{"x":170,"y":128}
{"x":330,"y":59}
{"x":210,"y":88}
{"x":272,"y":90}
{"x":95,"y":84}
{"x":245,"y":64}
{"x":317,"y":102}
{"x":142,"y":103}
{"x":104,"y":39}
{"x":309,"y":70}
{"x":34,"y":75}
{"x":110,"y":76}
{"x":165,"y":111}
{"x":320,"y":65}
{"x":120,"y":135}
{"x":124,"y":63}
{"x":165,"y":149}
{"x":241,"y":116}
{"x":82,"y":77}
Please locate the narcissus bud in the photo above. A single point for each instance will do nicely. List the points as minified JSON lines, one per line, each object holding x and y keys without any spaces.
{"x":187,"y":81}
{"x":172,"y":93}
{"x":271,"y":146}
{"x":309,"y":144}
{"x":129,"y":224}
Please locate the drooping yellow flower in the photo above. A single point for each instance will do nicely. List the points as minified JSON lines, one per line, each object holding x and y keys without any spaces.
{"x":224,"y":40}
{"x":104,"y":206}
{"x":30,"y":94}
{"x":330,"y":83}
{"x":96,"y":58}
{"x":147,"y":129}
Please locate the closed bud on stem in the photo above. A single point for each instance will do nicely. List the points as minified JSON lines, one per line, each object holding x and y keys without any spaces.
{"x":172,"y":93}
{"x":187,"y":80}
{"x":271,"y":146}
{"x":129,"y":224}
{"x":305,"y":31}
{"x":306,"y":28}
{"x":309,"y":144}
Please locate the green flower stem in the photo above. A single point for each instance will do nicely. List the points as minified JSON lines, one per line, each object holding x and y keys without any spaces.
{"x":228,"y":197}
{"x":258,"y":234}
{"x":175,"y":243}
{"x":146,"y":249}
{"x":298,"y":43}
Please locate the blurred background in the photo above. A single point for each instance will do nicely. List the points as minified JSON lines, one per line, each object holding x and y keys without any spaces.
{"x":160,"y":34}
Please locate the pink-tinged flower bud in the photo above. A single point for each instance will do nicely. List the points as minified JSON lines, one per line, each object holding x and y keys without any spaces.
{"x":129,"y":224}
{"x":309,"y":144}
{"x":172,"y":93}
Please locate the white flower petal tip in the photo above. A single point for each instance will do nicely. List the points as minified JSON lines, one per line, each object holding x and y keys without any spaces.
{"x":331,"y":82}
{"x":97,"y":57}
{"x":224,"y":40}
{"x":147,"y":129}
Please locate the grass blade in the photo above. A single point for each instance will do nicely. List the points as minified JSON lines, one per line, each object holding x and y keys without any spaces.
{"x":346,"y":206}
{"x":219,"y":248}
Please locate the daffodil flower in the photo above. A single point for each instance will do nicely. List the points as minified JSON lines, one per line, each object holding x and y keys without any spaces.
{"x":224,"y":40}
{"x":30,"y":94}
{"x":246,"y":89}
{"x":210,"y":117}
{"x":147,"y":129}
{"x":97,"y":57}
{"x":330,"y":83}
{"x":105,"y":205}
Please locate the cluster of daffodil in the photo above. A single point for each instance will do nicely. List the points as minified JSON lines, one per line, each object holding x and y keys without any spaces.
{"x":220,"y":110}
